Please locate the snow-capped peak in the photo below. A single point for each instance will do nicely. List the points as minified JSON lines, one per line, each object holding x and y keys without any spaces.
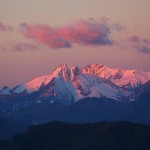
{"x":61,"y":67}
{"x":97,"y":69}
{"x":95,"y":80}
{"x":62,"y":72}
{"x":120,"y":77}
{"x":5,"y":91}
{"x":65,"y":72}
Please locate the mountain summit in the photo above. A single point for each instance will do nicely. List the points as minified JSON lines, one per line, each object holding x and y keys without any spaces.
{"x":67,"y":73}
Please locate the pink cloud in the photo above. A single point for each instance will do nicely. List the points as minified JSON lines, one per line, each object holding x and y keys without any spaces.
{"x":4,"y":27}
{"x":83,"y":32}
{"x":45,"y":35}
{"x":87,"y":32}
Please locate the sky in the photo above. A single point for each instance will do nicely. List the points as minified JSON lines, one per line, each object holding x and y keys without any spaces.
{"x":38,"y":35}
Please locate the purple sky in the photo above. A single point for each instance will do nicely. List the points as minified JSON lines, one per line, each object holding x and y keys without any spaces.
{"x":38,"y":35}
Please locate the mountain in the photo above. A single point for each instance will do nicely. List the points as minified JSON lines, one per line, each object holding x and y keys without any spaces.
{"x":70,"y":84}
{"x":73,"y":83}
{"x":62,"y":72}
{"x":128,"y":79}
{"x":5,"y":91}
{"x":103,"y":135}
{"x":77,"y":95}
{"x":81,"y":82}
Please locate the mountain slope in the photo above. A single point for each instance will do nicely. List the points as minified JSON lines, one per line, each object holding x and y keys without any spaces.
{"x":104,"y":136}
{"x":124,"y":78}
{"x":86,"y":110}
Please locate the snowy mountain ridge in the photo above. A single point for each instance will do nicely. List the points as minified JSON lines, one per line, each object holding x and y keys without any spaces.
{"x":120,"y":77}
{"x":73,"y":83}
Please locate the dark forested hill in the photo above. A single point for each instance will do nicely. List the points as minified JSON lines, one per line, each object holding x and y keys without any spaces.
{"x":96,"y":136}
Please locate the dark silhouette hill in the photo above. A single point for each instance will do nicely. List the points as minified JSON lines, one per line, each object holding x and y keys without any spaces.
{"x":95,"y":136}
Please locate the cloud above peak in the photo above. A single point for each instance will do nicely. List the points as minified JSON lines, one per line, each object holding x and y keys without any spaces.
{"x":45,"y":35}
{"x":142,"y":45}
{"x":87,"y":32}
{"x":82,"y":32}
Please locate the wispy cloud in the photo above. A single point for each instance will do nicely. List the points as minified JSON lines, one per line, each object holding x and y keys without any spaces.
{"x":134,"y":39}
{"x":4,"y":27}
{"x":23,"y":46}
{"x":142,"y":45}
{"x":144,"y":49}
{"x":118,"y":27}
{"x":83,"y":32}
